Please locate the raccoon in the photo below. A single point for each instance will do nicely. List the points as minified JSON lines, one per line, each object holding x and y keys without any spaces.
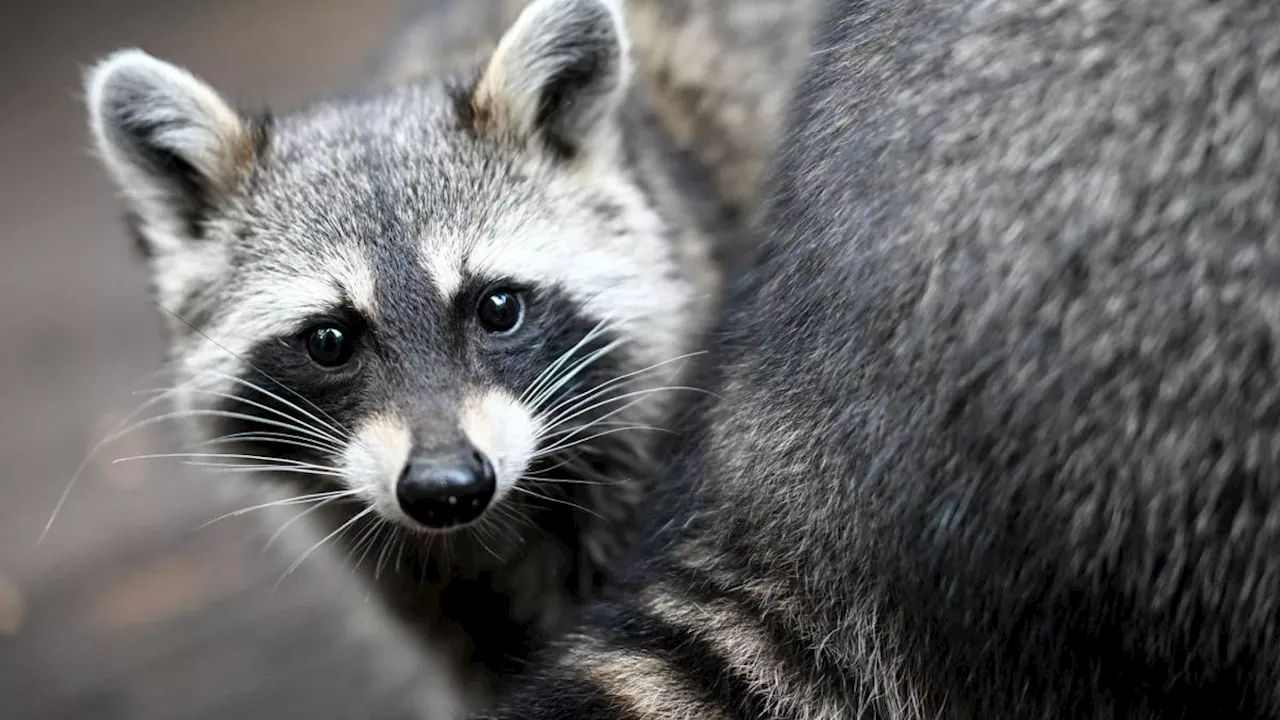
{"x":997,"y":425}
{"x":450,"y":319}
{"x":717,"y":73}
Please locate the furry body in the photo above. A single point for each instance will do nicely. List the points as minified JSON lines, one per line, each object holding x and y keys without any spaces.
{"x":998,"y":431}
{"x":323,"y":272}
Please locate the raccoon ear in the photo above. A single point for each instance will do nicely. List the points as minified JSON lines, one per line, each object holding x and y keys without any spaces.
{"x":172,"y":144}
{"x":559,"y":73}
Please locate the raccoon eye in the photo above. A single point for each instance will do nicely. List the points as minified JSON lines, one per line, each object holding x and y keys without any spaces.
{"x":500,"y":311}
{"x":329,"y":346}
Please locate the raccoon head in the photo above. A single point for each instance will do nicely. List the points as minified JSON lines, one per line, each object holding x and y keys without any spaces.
{"x":435,"y":300}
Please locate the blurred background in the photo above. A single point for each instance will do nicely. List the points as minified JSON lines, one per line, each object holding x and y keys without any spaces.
{"x":128,"y":609}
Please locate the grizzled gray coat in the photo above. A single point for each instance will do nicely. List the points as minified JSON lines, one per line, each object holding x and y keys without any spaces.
{"x":998,"y":433}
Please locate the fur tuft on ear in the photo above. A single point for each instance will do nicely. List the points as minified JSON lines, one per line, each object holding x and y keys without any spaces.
{"x":172,"y":144}
{"x":559,"y":74}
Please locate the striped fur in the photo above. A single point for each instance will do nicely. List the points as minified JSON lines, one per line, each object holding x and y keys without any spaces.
{"x":538,"y":165}
{"x":997,"y":430}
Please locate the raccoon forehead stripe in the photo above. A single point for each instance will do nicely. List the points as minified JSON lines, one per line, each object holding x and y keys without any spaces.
{"x":271,"y":304}
{"x":354,"y":274}
{"x":443,"y":262}
{"x":337,"y":277}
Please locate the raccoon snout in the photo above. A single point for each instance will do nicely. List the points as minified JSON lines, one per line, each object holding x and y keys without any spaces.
{"x":443,"y":488}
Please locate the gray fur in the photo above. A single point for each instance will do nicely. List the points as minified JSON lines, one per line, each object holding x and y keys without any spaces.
{"x":386,"y":204}
{"x":717,"y":73}
{"x":998,"y":433}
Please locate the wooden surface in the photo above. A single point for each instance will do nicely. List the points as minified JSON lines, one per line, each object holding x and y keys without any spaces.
{"x":127,"y":610}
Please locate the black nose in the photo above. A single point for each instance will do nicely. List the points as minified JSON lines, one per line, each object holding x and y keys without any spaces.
{"x":444,"y":488}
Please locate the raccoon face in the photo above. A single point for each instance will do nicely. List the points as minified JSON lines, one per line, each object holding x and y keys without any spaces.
{"x":432,"y":300}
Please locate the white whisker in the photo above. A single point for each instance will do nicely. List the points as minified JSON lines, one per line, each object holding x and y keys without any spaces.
{"x":367,"y":540}
{"x":510,"y":517}
{"x":400,"y":550}
{"x":288,"y":523}
{"x":563,"y":461}
{"x":227,"y":414}
{"x":298,"y":425}
{"x":562,"y":446}
{"x":640,"y":396}
{"x":569,"y":481}
{"x":261,"y":458}
{"x":477,"y":532}
{"x":341,"y":528}
{"x":334,"y":427}
{"x":386,"y":548}
{"x":550,"y":370}
{"x":613,"y":382}
{"x":573,"y":505}
{"x":272,"y":439}
{"x":234,"y":468}
{"x":603,"y":423}
{"x":121,"y":429}
{"x":573,"y":372}
{"x":299,"y":500}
